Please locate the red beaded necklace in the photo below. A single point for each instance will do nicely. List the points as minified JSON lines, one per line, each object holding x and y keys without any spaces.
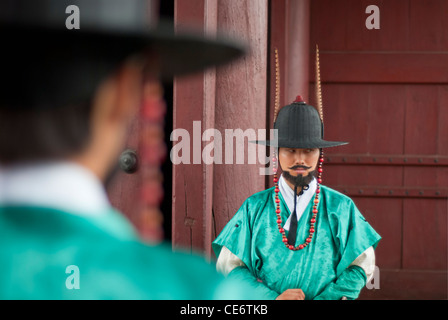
{"x":316,"y":203}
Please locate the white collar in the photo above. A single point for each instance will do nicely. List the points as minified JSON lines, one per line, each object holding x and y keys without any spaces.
{"x":302,"y":201}
{"x":60,"y":185}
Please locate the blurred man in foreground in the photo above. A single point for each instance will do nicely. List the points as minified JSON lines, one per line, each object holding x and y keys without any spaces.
{"x":73,"y":75}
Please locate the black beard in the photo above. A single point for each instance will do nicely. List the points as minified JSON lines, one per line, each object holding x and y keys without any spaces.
{"x":299,"y":180}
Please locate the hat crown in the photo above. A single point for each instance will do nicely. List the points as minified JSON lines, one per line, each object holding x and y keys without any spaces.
{"x":298,"y":124}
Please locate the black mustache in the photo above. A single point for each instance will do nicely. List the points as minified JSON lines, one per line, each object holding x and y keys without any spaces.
{"x":299,"y":167}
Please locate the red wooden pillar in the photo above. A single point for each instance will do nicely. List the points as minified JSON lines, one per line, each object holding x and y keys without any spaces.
{"x":298,"y":47}
{"x":290,"y":34}
{"x":205,"y":196}
{"x":193,"y":110}
{"x":240,"y":103}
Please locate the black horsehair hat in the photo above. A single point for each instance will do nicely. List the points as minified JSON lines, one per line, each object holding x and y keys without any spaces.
{"x":49,"y":59}
{"x":299,"y":125}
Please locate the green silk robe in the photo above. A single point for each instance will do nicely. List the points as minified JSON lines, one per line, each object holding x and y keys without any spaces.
{"x":38,"y":244}
{"x":321,"y":269}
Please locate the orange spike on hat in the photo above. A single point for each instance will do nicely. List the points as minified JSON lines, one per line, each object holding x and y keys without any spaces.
{"x":277,"y":85}
{"x":318,"y":87}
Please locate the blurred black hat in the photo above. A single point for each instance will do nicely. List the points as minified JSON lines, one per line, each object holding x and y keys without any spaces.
{"x":299,"y":126}
{"x":55,"y":52}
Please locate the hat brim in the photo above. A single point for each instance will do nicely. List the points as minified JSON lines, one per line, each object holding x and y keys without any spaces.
{"x":57,"y":66}
{"x":317,"y":143}
{"x":178,"y":53}
{"x":188,"y":52}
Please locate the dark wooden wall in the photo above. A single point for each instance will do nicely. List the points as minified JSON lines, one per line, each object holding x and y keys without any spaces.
{"x":385,"y":91}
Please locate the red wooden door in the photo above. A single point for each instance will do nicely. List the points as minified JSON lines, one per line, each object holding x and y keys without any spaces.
{"x":385,"y":91}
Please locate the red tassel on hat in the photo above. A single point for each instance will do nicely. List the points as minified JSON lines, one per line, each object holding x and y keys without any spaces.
{"x":298,"y":99}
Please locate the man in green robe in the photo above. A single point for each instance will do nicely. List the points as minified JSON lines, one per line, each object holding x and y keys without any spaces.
{"x":64,"y":111}
{"x":299,"y":240}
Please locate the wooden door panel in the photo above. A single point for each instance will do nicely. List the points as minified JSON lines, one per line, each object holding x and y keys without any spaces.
{"x":385,"y":216}
{"x":343,"y":121}
{"x":409,"y":285}
{"x":426,"y":177}
{"x":385,"y":91}
{"x":421,"y":120}
{"x":386,"y":119}
{"x":425,"y":234}
{"x":428,"y":25}
{"x":442,"y":134}
{"x":413,"y":25}
{"x":339,"y":174}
